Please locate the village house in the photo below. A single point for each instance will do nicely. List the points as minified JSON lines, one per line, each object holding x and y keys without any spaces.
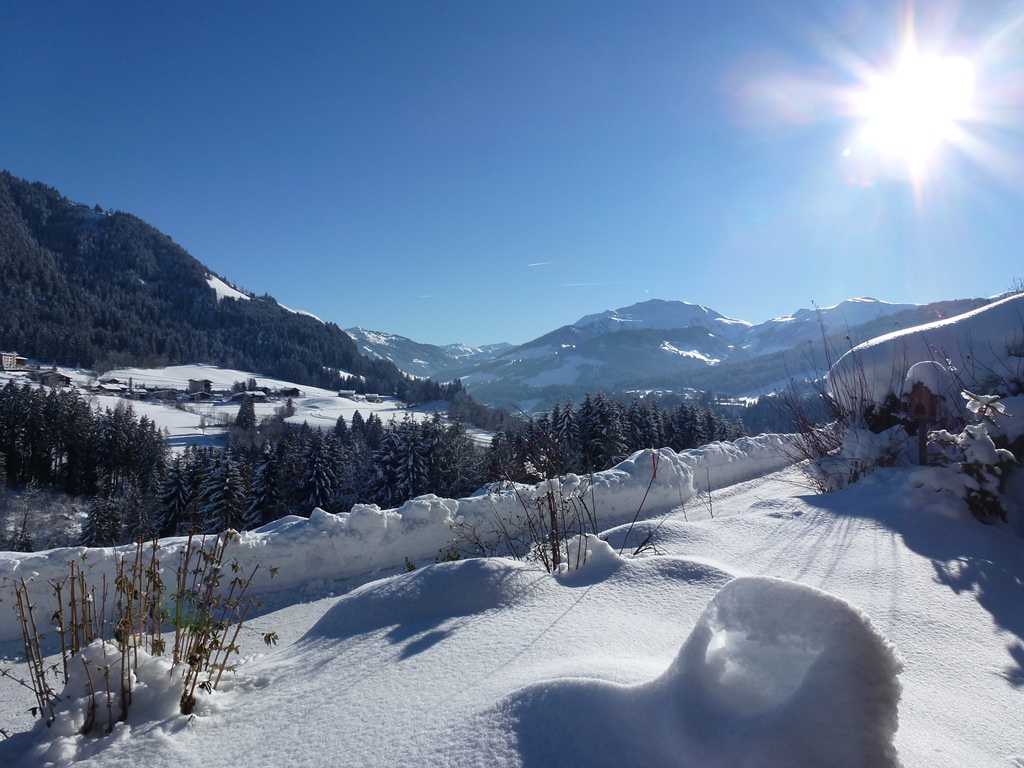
{"x":54,"y":379}
{"x":255,"y":395}
{"x":10,"y":361}
{"x":200,"y":386}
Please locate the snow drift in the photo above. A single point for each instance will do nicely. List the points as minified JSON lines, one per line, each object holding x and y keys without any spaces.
{"x":774,"y":674}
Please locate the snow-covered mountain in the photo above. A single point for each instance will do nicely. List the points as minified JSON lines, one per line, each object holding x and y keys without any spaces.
{"x":804,"y":325}
{"x":418,"y":359}
{"x":666,"y":315}
{"x":484,"y":353}
{"x":677,"y":345}
{"x":656,"y":344}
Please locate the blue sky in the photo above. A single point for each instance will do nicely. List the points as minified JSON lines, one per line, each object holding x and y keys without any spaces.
{"x":489,"y":171}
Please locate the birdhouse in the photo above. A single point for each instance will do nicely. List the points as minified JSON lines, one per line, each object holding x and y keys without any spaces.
{"x":923,"y":404}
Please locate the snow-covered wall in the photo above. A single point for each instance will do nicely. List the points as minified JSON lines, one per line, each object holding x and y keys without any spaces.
{"x":325,"y":546}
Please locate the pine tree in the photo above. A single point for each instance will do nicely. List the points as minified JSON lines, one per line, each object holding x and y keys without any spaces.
{"x":413,"y":473}
{"x":266,"y":505}
{"x":136,"y":515}
{"x":341,"y":432}
{"x":600,"y":433}
{"x":381,"y":486}
{"x":373,"y":431}
{"x":318,"y":478}
{"x":173,"y":501}
{"x":102,"y":526}
{"x":223,"y":499}
{"x":358,"y":428}
{"x":246,"y":418}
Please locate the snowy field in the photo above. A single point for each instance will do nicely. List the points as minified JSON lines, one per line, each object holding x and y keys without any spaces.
{"x":767,"y":627}
{"x":202,"y":423}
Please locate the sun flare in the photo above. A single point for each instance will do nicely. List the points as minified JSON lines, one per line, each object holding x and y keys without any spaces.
{"x":918,"y":106}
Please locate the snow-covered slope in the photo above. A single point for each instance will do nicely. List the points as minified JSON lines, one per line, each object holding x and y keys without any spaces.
{"x":985,"y":349}
{"x":202,"y":422}
{"x":476,"y":354}
{"x":862,"y":628}
{"x":225,"y":291}
{"x":424,"y":360}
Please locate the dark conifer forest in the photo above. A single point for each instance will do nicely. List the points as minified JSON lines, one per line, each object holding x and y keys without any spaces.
{"x":94,"y":289}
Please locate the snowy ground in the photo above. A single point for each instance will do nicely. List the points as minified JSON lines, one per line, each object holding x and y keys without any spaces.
{"x":202,"y":423}
{"x":772,"y":634}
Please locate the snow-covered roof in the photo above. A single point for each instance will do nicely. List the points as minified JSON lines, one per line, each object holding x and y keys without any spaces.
{"x":935,"y":376}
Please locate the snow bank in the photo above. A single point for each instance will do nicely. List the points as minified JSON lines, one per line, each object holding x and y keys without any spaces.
{"x":305,"y":553}
{"x":983,"y":346}
{"x":431,"y":594}
{"x":775,"y":673}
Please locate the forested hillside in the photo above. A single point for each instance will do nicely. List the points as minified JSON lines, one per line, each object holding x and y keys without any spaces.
{"x":83,"y":287}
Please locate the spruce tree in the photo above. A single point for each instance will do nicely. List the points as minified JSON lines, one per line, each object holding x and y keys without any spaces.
{"x":246,"y":418}
{"x":172,"y":501}
{"x":382,"y":485}
{"x":318,"y":477}
{"x":102,"y":526}
{"x":266,"y":505}
{"x":341,"y":432}
{"x":223,"y":498}
{"x":358,"y":428}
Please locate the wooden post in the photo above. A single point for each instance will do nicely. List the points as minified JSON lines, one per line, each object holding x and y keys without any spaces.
{"x":924,"y":407}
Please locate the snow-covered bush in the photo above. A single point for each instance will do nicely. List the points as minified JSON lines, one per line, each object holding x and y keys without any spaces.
{"x":111,"y":643}
{"x":860,"y":453}
{"x":552,"y":513}
{"x":974,"y":454}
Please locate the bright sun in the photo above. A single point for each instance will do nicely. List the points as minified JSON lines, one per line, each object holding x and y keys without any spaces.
{"x":917,"y":107}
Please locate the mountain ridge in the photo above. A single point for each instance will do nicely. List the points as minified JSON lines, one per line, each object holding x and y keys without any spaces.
{"x":87,"y":288}
{"x":658,"y":344}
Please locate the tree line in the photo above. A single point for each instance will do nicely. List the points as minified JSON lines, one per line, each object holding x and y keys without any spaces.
{"x":131,"y":486}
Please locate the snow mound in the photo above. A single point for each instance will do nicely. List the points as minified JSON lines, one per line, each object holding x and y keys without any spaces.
{"x":775,"y":673}
{"x":85,"y":708}
{"x":426,"y":595}
{"x":983,"y":347}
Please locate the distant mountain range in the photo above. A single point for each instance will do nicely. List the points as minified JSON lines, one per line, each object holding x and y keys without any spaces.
{"x":84,"y":287}
{"x":417,"y":359}
{"x":658,"y":345}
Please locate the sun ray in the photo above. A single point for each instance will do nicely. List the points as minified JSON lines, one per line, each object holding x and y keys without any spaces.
{"x":915,"y":108}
